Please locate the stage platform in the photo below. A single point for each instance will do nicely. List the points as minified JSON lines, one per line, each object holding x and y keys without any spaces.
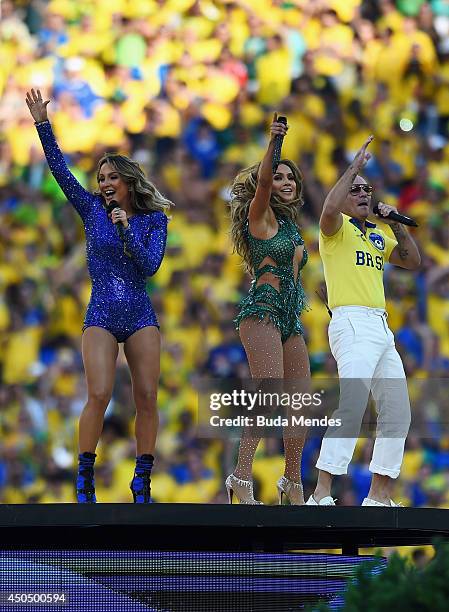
{"x":192,"y":557}
{"x":209,"y":527}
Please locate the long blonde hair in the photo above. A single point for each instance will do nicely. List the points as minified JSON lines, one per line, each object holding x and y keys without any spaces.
{"x":144,"y":195}
{"x":242,"y":193}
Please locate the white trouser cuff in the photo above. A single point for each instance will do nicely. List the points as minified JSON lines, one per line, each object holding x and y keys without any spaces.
{"x":336,"y":470}
{"x":383,"y":471}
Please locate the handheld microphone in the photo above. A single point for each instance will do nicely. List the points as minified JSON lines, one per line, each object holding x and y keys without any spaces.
{"x":278,"y":140}
{"x":394,"y":216}
{"x":109,"y":208}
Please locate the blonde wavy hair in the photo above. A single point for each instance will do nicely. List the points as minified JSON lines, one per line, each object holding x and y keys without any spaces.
{"x":144,"y":195}
{"x":242,"y":192}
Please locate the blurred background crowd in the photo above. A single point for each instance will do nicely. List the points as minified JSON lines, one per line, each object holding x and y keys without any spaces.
{"x":188,"y":88}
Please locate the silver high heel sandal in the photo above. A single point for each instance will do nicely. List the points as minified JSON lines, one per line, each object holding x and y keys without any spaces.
{"x":243,"y":490}
{"x":292,"y":490}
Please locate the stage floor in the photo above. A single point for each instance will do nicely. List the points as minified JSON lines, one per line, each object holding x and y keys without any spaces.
{"x":217,"y":527}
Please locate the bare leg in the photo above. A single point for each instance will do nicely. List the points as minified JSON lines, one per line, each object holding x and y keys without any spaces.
{"x":297,"y":370}
{"x":142,"y":351}
{"x":323,"y":485}
{"x":99,"y":349}
{"x":263,"y":346}
{"x":381,"y":488}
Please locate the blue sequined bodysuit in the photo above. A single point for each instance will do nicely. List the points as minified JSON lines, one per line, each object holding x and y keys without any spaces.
{"x":119,"y":301}
{"x":264,"y":301}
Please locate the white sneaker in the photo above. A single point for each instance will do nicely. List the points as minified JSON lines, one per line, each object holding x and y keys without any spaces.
{"x":326,"y":501}
{"x":372,"y":502}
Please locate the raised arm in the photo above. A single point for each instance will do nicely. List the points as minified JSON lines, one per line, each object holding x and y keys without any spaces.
{"x":73,"y":190}
{"x":331,"y":217}
{"x":148,"y":253}
{"x":260,"y":215}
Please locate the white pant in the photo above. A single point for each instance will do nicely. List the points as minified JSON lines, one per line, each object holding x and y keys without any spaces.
{"x":363,"y":346}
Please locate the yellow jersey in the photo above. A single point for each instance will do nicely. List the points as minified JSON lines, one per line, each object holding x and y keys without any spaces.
{"x":354,"y":264}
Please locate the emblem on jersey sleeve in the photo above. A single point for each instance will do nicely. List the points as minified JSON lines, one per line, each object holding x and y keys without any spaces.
{"x":378,"y":241}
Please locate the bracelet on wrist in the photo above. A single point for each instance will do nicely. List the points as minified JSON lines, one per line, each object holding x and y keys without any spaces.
{"x":40,"y":122}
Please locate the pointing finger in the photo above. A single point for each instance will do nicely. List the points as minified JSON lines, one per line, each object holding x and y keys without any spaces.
{"x":368,"y":141}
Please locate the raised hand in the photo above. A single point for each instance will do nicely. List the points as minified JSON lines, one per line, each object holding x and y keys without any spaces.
{"x":277,"y":128}
{"x":38,"y":108}
{"x":362,"y":156}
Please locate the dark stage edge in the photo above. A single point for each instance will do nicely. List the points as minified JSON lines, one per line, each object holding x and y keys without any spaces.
{"x":216,"y":527}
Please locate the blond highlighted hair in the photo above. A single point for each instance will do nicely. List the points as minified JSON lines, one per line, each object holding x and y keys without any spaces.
{"x":144,"y":195}
{"x":242,"y":193}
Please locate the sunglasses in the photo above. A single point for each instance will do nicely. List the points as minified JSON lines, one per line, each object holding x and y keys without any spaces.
{"x":358,"y":188}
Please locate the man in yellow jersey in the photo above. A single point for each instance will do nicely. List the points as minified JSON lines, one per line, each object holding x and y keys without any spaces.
{"x":354,"y":251}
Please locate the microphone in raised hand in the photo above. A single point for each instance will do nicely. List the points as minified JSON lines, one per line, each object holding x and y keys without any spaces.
{"x":395,"y":216}
{"x":113,"y":204}
{"x":278,"y":140}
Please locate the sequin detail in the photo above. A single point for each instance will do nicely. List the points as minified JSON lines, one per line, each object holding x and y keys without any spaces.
{"x":283,"y":307}
{"x":119,"y":301}
{"x":85,"y":482}
{"x":141,"y":482}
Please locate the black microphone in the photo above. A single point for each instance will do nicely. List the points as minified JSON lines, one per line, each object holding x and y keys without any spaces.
{"x":394,"y":216}
{"x":278,"y":140}
{"x":109,"y":208}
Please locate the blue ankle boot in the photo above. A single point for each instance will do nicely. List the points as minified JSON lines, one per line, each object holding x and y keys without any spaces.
{"x":85,"y":482}
{"x":141,"y":483}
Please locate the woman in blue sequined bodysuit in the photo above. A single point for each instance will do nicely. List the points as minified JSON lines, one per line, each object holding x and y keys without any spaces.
{"x":264,"y":229}
{"x":124,"y":246}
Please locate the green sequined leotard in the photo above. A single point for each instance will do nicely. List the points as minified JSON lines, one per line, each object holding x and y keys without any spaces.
{"x":282,"y":307}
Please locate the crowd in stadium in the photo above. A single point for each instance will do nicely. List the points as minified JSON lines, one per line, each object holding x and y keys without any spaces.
{"x":188,"y":89}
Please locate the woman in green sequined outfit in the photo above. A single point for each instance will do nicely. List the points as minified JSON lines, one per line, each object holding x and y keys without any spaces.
{"x":264,"y":230}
